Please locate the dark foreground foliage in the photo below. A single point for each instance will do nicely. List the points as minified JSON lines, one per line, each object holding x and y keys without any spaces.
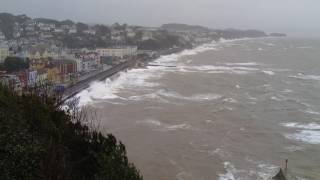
{"x":40,"y":141}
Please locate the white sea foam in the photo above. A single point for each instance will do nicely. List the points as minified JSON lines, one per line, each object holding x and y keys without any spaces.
{"x":108,"y":89}
{"x":287,"y":91}
{"x":309,"y":126}
{"x":310,"y":111}
{"x":306,"y":77}
{"x":263,"y":172}
{"x":277,"y":98}
{"x":159,"y":126}
{"x":308,"y":136}
{"x":220,"y":152}
{"x":151,"y":96}
{"x":309,"y":133}
{"x":304,"y":47}
{"x":220,"y":69}
{"x":269,"y":72}
{"x":270,"y":44}
{"x":243,"y":64}
{"x":266,"y":171}
{"x":150,"y":122}
{"x":196,"y":97}
{"x":177,"y":127}
{"x":294,"y":148}
{"x":230,"y":170}
{"x":230,"y":100}
{"x":199,"y":49}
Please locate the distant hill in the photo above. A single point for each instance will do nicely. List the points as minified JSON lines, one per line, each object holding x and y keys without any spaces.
{"x":236,"y":33}
{"x":183,"y":27}
{"x":278,"y":34}
{"x":7,"y":22}
{"x":47,"y":21}
{"x":52,"y":21}
{"x":225,"y":33}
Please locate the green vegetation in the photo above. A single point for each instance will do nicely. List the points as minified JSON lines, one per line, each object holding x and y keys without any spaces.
{"x":14,"y":64}
{"x":7,"y":23}
{"x":38,"y":140}
{"x":163,"y":40}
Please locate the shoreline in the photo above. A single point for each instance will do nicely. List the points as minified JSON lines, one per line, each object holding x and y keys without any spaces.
{"x":76,"y":88}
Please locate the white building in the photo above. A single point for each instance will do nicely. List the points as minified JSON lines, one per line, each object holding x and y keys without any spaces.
{"x":118,"y":51}
{"x":90,"y":31}
{"x":73,"y":30}
{"x":58,"y":30}
{"x":131,"y":34}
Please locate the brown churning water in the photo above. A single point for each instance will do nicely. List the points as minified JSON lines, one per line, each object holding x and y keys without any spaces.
{"x":228,"y":110}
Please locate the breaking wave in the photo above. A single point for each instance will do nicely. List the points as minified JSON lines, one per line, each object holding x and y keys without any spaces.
{"x":308,"y":136}
{"x":306,"y":77}
{"x":242,"y":64}
{"x":308,"y":133}
{"x":157,"y":125}
{"x":309,"y":126}
{"x":262,"y":171}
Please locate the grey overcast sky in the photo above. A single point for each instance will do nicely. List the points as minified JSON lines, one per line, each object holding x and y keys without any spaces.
{"x":299,"y":17}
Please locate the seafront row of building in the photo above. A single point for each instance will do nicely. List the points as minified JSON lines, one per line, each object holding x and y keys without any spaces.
{"x":61,"y":67}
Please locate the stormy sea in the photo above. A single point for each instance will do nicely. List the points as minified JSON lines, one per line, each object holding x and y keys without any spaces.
{"x":227,"y":110}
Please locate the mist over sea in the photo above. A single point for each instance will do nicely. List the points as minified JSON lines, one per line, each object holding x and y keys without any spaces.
{"x":227,"y":110}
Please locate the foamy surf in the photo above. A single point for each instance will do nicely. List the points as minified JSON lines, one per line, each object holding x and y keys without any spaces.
{"x":310,"y":126}
{"x":306,"y":77}
{"x":243,"y":64}
{"x":308,"y":133}
{"x":220,"y":69}
{"x":160,"y":126}
{"x":269,"y":72}
{"x":307,"y":136}
{"x":196,"y":97}
{"x":261,"y":172}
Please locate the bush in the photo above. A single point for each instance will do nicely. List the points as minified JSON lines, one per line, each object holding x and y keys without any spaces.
{"x":14,"y":64}
{"x":38,"y":140}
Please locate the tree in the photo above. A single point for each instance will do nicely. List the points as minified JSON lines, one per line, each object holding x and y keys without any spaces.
{"x":102,"y":30}
{"x":39,"y":140}
{"x":81,"y":27}
{"x":14,"y":64}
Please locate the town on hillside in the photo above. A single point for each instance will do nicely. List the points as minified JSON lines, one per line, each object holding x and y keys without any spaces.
{"x":63,"y":53}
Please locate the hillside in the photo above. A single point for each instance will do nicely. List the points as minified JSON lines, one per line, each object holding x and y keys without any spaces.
{"x":40,"y":141}
{"x":7,"y":22}
{"x":184,"y":27}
